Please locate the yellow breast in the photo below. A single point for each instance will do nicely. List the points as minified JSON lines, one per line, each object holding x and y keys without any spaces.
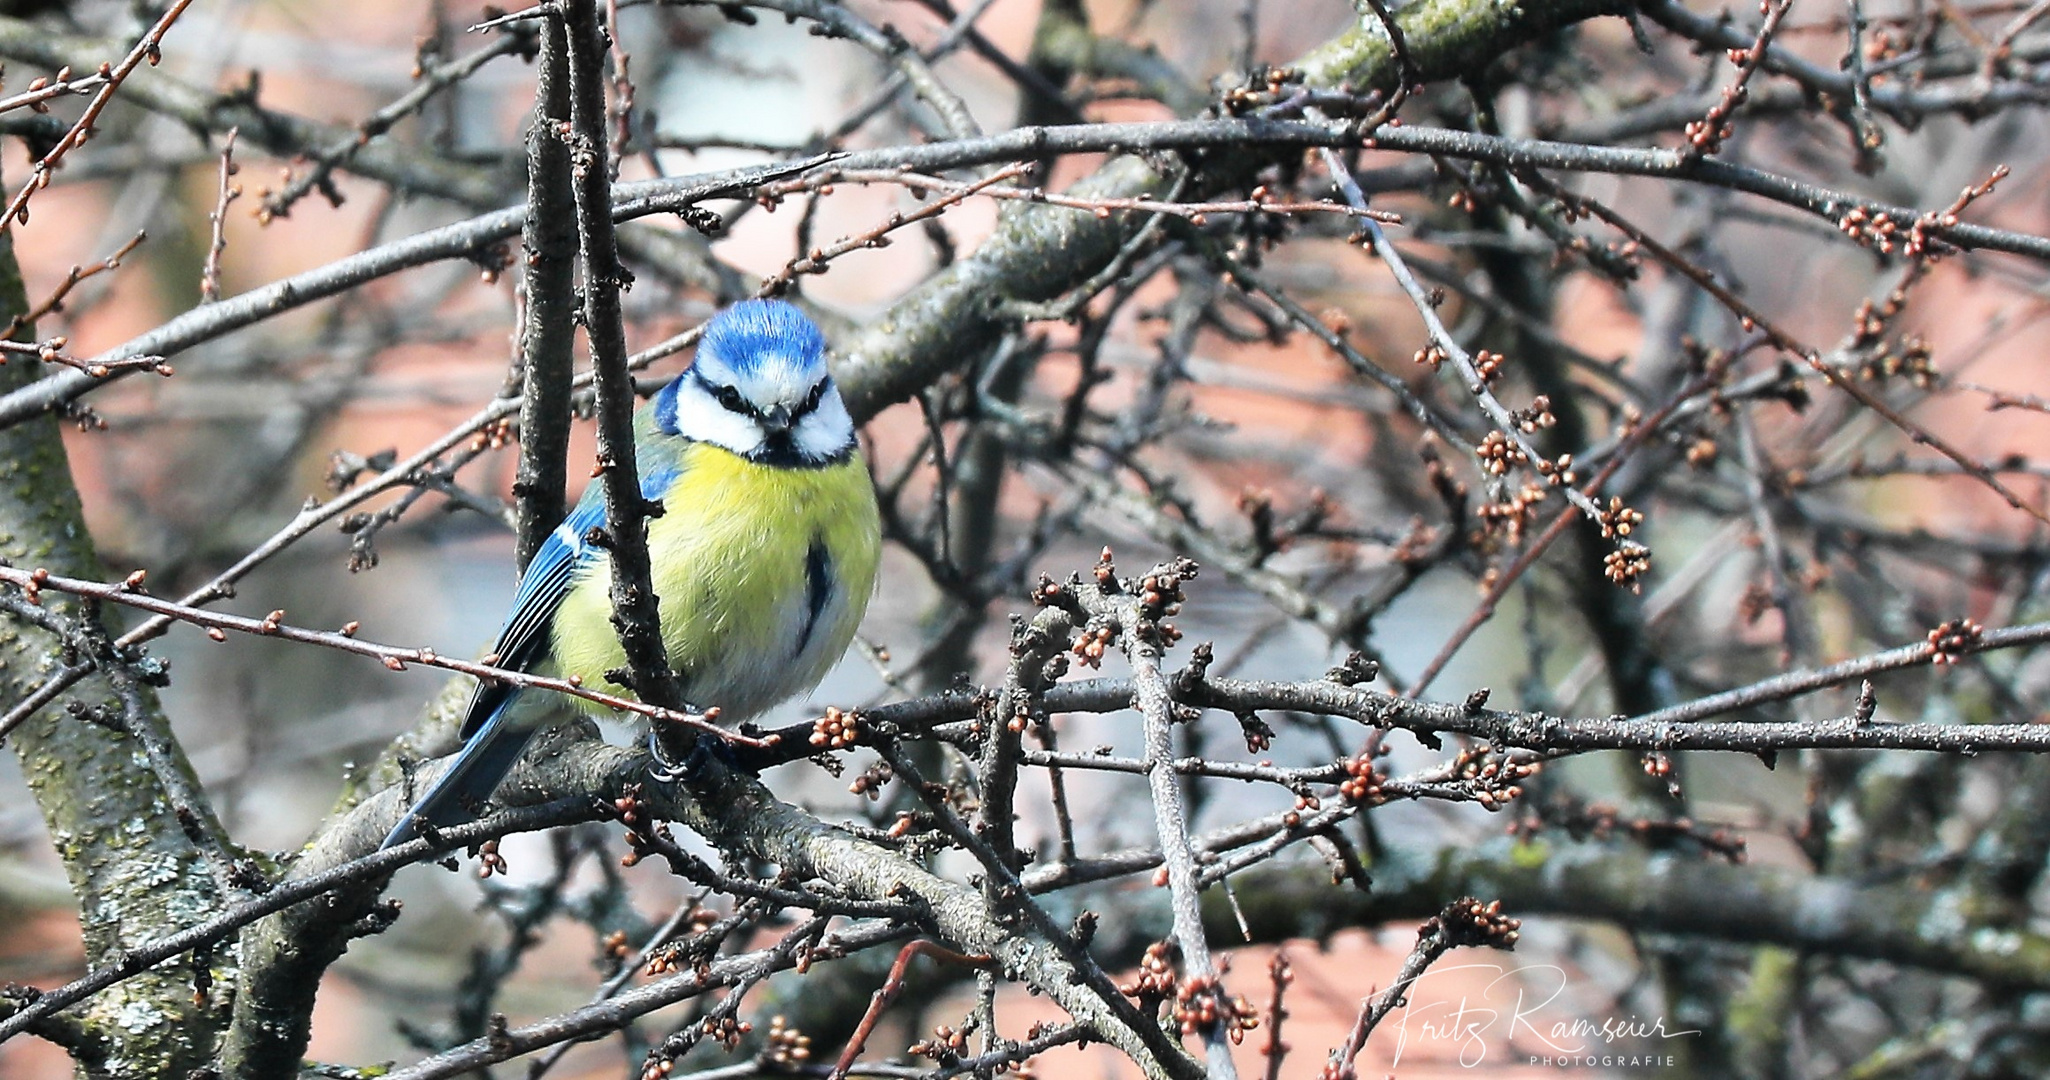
{"x":762,"y":573}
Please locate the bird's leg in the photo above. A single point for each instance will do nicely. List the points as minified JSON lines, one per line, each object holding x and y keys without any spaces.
{"x":705,"y":749}
{"x":666,"y":771}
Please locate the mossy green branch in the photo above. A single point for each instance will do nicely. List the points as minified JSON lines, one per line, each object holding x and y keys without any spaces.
{"x":1446,"y":38}
{"x":134,"y":873}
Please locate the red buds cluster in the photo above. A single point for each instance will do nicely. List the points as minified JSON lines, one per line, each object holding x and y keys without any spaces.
{"x":1949,"y":642}
{"x":1509,"y":518}
{"x":1498,"y":455}
{"x":1303,"y":801}
{"x":1258,"y":733}
{"x":1364,"y":781}
{"x":1160,"y":592}
{"x":629,"y":811}
{"x":1201,"y":1005}
{"x":489,"y":860}
{"x":788,"y":1048}
{"x":946,"y":1044}
{"x":1468,"y":922}
{"x":869,"y":784}
{"x":1557,"y":472}
{"x":1619,"y":520}
{"x":1537,"y":417}
{"x":1496,"y":780}
{"x":1488,"y":365}
{"x":725,"y":1030}
{"x":1094,"y":641}
{"x":1156,"y":978}
{"x":837,"y":730}
{"x":1627,"y":564}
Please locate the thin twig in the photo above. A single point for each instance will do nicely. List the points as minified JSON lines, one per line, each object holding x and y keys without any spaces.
{"x":55,"y":301}
{"x":41,"y":173}
{"x":228,"y":192}
{"x":129,"y":593}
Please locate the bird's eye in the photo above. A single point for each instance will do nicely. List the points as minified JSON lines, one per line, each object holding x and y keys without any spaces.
{"x":730,"y":399}
{"x":811,"y":400}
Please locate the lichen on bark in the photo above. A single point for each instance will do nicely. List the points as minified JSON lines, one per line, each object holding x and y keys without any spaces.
{"x":134,"y":873}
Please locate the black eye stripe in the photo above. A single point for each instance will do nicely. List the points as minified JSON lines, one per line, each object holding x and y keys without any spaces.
{"x":811,"y":401}
{"x":730,"y":399}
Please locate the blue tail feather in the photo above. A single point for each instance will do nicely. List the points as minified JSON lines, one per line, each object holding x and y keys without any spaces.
{"x":470,"y":779}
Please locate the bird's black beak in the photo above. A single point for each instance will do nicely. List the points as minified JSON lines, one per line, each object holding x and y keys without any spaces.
{"x":776,"y":421}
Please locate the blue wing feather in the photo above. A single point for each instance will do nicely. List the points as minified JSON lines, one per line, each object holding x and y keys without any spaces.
{"x":468,"y":780}
{"x":492,"y":742}
{"x":523,"y":641}
{"x":525,"y":637}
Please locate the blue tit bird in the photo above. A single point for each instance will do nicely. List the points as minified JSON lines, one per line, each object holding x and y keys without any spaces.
{"x":764,"y":556}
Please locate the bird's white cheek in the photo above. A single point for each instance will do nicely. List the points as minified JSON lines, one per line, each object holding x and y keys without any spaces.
{"x":704,"y":420}
{"x":827,"y":432}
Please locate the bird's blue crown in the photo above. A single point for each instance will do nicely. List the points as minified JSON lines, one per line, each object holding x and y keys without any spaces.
{"x":756,"y":333}
{"x":756,"y":360}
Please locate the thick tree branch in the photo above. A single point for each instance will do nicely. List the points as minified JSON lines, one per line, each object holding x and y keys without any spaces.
{"x":548,"y":276}
{"x":141,"y":873}
{"x":634,"y":603}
